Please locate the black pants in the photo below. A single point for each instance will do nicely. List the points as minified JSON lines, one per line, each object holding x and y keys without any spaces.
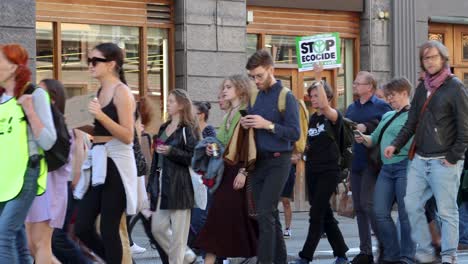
{"x":108,"y":200}
{"x":268,"y":180}
{"x":321,"y":186}
{"x":63,"y":247}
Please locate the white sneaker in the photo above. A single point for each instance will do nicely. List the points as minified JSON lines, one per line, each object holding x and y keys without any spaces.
{"x":287,"y":233}
{"x":189,"y":256}
{"x":136,"y":249}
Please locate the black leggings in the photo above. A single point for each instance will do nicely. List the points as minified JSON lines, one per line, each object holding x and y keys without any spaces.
{"x":109,"y":201}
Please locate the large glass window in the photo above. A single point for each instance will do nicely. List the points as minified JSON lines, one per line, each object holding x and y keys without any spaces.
{"x":157,"y":61}
{"x":282,"y":48}
{"x":344,"y":82}
{"x":44,"y":51}
{"x":252,"y":44}
{"x":79,"y":39}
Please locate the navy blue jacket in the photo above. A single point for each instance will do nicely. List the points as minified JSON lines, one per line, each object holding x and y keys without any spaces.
{"x":368,"y":114}
{"x":286,"y":124}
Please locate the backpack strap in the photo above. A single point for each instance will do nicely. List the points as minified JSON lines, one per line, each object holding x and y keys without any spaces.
{"x":253,"y":96}
{"x":282,"y":99}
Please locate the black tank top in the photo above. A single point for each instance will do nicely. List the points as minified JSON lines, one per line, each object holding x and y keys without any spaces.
{"x":111,"y":111}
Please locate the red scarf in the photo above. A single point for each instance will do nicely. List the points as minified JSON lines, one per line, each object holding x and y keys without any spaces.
{"x":433,"y":82}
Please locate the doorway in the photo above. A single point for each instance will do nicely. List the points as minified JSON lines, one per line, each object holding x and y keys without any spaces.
{"x":455,"y":38}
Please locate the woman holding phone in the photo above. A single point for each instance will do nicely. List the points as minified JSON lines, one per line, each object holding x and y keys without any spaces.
{"x":228,"y":231}
{"x":392,"y":179}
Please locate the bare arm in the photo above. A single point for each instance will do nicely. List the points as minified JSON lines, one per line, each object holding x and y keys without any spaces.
{"x":79,"y":154}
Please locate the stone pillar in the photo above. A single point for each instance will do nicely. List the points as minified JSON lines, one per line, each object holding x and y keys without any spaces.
{"x":405,"y":40}
{"x":210,"y":45}
{"x":18,"y":25}
{"x":376,"y":48}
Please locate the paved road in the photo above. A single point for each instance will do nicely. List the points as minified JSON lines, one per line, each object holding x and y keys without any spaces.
{"x":294,"y":244}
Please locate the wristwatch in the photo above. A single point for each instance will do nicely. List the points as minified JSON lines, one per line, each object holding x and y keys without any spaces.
{"x":271,"y":128}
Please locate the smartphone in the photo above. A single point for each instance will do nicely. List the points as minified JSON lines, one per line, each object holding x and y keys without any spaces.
{"x":243,"y":112}
{"x":358,"y":133}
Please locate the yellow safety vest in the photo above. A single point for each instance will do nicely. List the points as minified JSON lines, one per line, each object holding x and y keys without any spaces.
{"x":14,"y":154}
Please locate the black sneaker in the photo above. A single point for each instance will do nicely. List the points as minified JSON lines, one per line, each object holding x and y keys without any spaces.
{"x":362,"y":258}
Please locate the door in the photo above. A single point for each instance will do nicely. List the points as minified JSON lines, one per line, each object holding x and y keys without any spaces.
{"x":455,"y":38}
{"x":298,"y":82}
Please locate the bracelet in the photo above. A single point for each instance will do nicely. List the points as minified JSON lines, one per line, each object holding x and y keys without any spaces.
{"x":243,"y":172}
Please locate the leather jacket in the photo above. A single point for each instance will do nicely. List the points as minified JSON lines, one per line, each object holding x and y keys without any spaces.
{"x":175,"y":190}
{"x":442,"y":130}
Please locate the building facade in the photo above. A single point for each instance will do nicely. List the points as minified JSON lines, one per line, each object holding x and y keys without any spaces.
{"x":195,"y":44}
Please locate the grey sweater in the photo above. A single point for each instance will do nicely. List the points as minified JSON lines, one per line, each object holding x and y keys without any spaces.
{"x":48,"y":135}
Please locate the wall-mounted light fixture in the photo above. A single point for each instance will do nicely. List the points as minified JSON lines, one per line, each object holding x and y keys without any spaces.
{"x":383,"y":15}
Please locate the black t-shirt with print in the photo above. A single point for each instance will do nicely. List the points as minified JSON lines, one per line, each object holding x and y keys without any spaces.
{"x":322,"y":152}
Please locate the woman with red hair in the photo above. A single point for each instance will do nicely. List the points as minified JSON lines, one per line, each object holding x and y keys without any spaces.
{"x":26,"y":130}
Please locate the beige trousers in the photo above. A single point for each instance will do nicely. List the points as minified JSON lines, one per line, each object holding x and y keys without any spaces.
{"x":171,"y":228}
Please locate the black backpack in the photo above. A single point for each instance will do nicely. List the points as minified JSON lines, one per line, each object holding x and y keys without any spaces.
{"x":345,"y":145}
{"x":57,"y":156}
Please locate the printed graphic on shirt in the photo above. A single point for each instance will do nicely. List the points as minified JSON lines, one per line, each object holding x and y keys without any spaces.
{"x":317,"y":130}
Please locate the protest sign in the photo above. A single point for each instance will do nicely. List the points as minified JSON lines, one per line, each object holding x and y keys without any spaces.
{"x":76,"y":111}
{"x":324,"y":49}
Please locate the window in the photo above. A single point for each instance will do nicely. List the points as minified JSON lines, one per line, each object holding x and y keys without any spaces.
{"x":465,"y":46}
{"x":282,"y":48}
{"x":44,"y":51}
{"x":79,"y":39}
{"x":344,"y":82}
{"x":157,"y":61}
{"x":465,"y":79}
{"x":252,"y":44}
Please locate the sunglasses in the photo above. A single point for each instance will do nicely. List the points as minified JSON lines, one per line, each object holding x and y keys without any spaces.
{"x":94,"y":61}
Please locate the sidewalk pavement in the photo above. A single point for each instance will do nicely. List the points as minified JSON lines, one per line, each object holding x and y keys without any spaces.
{"x":294,"y":244}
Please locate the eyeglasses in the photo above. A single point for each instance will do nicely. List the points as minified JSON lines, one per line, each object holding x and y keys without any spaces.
{"x":257,"y":76}
{"x":94,"y":60}
{"x":431,"y":58}
{"x":358,"y":83}
{"x":389,"y":95}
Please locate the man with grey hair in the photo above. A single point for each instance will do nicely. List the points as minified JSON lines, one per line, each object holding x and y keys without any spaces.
{"x":438,"y":121}
{"x":367,"y":111}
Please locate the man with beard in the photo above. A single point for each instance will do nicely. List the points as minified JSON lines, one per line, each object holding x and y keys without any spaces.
{"x":438,"y":120}
{"x":275,"y":134}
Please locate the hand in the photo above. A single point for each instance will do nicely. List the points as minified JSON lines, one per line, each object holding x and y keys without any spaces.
{"x":94,"y":108}
{"x":209,"y":150}
{"x":295,"y":158}
{"x":359,"y":139}
{"x":318,"y":68}
{"x":239,"y":181}
{"x":361,"y":127}
{"x":26,"y":101}
{"x":256,"y":121}
{"x":163,"y":149}
{"x":446,"y":163}
{"x":243,"y":122}
{"x":388,"y":152}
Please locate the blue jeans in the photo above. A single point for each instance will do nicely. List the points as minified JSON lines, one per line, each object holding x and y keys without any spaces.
{"x":13,"y":242}
{"x":391,"y":183}
{"x":427,"y":177}
{"x":463,"y":211}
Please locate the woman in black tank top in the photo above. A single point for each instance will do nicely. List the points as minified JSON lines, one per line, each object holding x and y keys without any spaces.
{"x":113,"y":112}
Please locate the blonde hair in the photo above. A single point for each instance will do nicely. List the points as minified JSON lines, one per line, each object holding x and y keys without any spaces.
{"x":187,"y":117}
{"x":243,"y":86}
